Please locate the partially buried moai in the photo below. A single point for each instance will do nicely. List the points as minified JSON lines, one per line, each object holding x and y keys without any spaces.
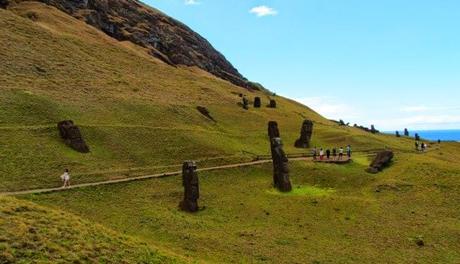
{"x":245,"y":103}
{"x":306,"y":132}
{"x":257,"y":102}
{"x":273,"y":132}
{"x":191,"y":187}
{"x":272,"y":103}
{"x":280,"y":166}
{"x":71,"y":135}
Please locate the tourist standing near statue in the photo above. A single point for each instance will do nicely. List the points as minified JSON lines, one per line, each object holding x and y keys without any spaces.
{"x":65,"y":178}
{"x":340,"y":153}
{"x":334,"y":153}
{"x":328,"y":154}
{"x":321,"y":154}
{"x":315,"y":153}
{"x":349,"y":151}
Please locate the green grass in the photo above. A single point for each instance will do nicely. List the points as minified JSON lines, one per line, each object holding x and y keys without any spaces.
{"x":336,"y":216}
{"x":139,"y":116}
{"x":133,"y":111}
{"x":35,"y":234}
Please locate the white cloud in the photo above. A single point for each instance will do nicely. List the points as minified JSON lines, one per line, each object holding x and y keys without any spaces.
{"x":411,"y":109}
{"x":330,"y":107}
{"x":191,"y":2}
{"x":263,"y":10}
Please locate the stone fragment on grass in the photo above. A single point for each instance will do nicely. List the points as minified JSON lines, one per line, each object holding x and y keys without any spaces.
{"x":306,"y":132}
{"x":382,"y":160}
{"x":191,"y":187}
{"x":71,"y":135}
{"x":204,"y":111}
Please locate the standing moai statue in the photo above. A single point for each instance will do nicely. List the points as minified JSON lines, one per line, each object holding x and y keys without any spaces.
{"x":245,"y":103}
{"x":257,"y":102}
{"x":305,"y":135}
{"x":397,"y":134}
{"x":281,"y":179}
{"x":273,"y":132}
{"x":406,"y":132}
{"x":272,"y":103}
{"x":191,"y":187}
{"x":417,"y":137}
{"x":71,"y":135}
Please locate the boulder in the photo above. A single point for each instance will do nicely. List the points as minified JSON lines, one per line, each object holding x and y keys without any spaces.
{"x":281,"y":179}
{"x":191,"y":187}
{"x":306,"y":132}
{"x":272,"y":103}
{"x":382,"y":160}
{"x":257,"y":102}
{"x":71,"y":135}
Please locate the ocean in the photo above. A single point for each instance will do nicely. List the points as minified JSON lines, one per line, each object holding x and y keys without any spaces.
{"x":444,"y":135}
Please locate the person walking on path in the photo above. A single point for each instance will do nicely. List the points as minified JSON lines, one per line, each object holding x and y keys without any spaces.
{"x":340,"y":153}
{"x":349,"y":151}
{"x":321,"y":154}
{"x":65,"y":178}
{"x":328,"y":154}
{"x":334,"y":153}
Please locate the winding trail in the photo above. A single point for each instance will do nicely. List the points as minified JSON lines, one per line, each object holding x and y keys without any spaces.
{"x":145,"y":177}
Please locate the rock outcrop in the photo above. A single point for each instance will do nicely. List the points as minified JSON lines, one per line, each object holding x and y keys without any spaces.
{"x":382,"y":160}
{"x":306,"y":132}
{"x":191,"y":187}
{"x":71,"y":135}
{"x":164,"y":37}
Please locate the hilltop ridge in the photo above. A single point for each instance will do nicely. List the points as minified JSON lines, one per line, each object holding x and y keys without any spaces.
{"x":164,"y":37}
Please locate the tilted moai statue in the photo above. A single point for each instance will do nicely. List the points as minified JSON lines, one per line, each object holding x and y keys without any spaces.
{"x":272,"y":103}
{"x":305,"y":135}
{"x":191,"y":187}
{"x":257,"y":102}
{"x":273,"y":132}
{"x":280,"y":166}
{"x":245,"y":103}
{"x":71,"y":135}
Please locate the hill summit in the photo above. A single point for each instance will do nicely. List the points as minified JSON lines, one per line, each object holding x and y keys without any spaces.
{"x":165,"y":38}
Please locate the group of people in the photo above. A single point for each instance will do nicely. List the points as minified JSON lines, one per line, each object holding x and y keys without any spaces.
{"x":420,"y":146}
{"x":328,"y":153}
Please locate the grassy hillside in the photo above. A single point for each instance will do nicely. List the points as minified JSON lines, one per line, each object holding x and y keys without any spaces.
{"x":35,"y":234}
{"x":136,"y":113}
{"x":336,"y":214}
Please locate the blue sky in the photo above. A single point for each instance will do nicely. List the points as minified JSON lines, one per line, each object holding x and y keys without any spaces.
{"x":391,"y":63}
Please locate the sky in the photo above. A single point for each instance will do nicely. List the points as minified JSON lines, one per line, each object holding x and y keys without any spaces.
{"x":391,"y":63}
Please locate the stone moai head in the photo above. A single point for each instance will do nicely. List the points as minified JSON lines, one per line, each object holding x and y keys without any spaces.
{"x":257,"y":102}
{"x":191,"y":187}
{"x":281,"y":179}
{"x":272,"y":103}
{"x":306,"y":132}
{"x":245,"y":103}
{"x":273,"y":131}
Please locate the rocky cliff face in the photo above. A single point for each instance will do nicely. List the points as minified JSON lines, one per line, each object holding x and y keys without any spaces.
{"x":164,"y":37}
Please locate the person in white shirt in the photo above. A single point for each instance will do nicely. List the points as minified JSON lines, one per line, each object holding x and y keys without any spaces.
{"x":66,"y":178}
{"x":321,"y":154}
{"x":340,"y":153}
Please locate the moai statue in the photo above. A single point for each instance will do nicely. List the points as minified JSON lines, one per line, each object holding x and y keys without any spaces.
{"x":417,"y":137}
{"x":245,"y":103}
{"x":305,"y":135}
{"x":280,"y":166}
{"x":406,"y":132}
{"x":397,"y":134}
{"x":273,"y":131}
{"x":373,"y":130}
{"x":257,"y":102}
{"x":272,"y":103}
{"x":71,"y":135}
{"x":191,"y":187}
